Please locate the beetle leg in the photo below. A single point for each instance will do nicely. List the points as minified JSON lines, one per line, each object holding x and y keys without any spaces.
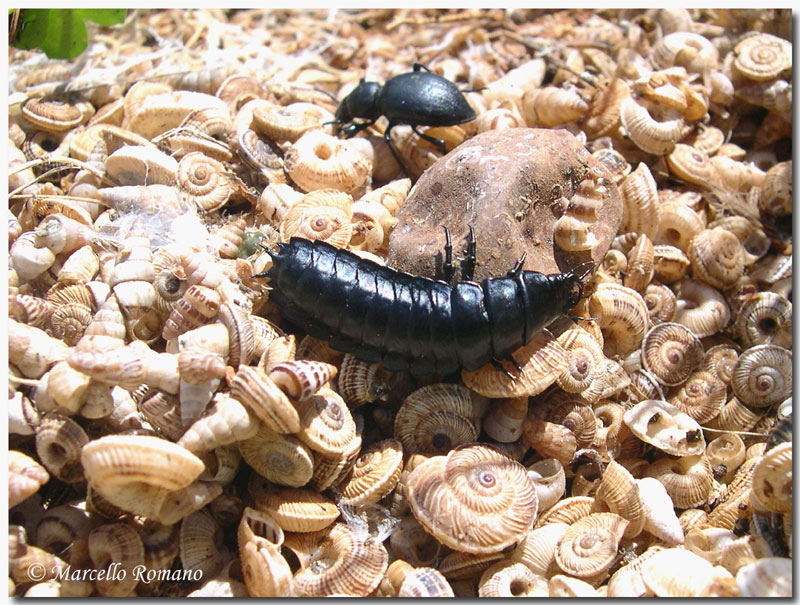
{"x":518,"y":267}
{"x":418,"y":66}
{"x":468,"y":272}
{"x":352,"y":129}
{"x":447,"y":266}
{"x":387,"y":137}
{"x":438,"y":142}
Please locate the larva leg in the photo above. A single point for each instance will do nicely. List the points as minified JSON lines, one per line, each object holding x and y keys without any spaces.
{"x":469,"y":262}
{"x":581,"y":318}
{"x":447,"y":266}
{"x":517,"y":269}
{"x":499,"y":366}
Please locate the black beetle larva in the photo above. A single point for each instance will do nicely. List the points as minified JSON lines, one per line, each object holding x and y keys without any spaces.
{"x":414,"y":323}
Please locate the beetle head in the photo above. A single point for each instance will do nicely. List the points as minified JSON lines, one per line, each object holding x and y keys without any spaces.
{"x":362,"y":102}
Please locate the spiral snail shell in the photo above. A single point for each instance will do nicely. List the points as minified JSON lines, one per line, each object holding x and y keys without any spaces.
{"x":449,"y":495}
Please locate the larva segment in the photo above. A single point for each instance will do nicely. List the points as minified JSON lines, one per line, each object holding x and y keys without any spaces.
{"x":473,"y":335}
{"x":410,"y":323}
{"x":505,"y":306}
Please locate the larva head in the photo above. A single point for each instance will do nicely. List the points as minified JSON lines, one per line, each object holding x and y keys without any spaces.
{"x":548,"y":296}
{"x":574,"y":282}
{"x":275,"y":258}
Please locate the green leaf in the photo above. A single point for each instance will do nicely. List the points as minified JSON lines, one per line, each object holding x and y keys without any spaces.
{"x":61,"y":33}
{"x":103,"y":16}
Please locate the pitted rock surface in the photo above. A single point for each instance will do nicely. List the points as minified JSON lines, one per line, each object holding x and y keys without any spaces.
{"x":507,"y":185}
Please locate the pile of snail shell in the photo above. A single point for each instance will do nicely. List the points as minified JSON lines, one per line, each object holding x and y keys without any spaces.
{"x":164,"y":423}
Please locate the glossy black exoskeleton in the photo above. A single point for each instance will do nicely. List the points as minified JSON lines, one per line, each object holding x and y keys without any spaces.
{"x":412,"y":323}
{"x":416,"y":98}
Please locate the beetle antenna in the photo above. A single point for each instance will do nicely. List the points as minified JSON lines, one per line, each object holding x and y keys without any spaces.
{"x":327,"y":94}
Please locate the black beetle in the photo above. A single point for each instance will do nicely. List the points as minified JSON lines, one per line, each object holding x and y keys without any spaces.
{"x":415,"y":98}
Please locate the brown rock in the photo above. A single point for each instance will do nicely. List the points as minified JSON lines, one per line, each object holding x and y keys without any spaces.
{"x":510,"y":185}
